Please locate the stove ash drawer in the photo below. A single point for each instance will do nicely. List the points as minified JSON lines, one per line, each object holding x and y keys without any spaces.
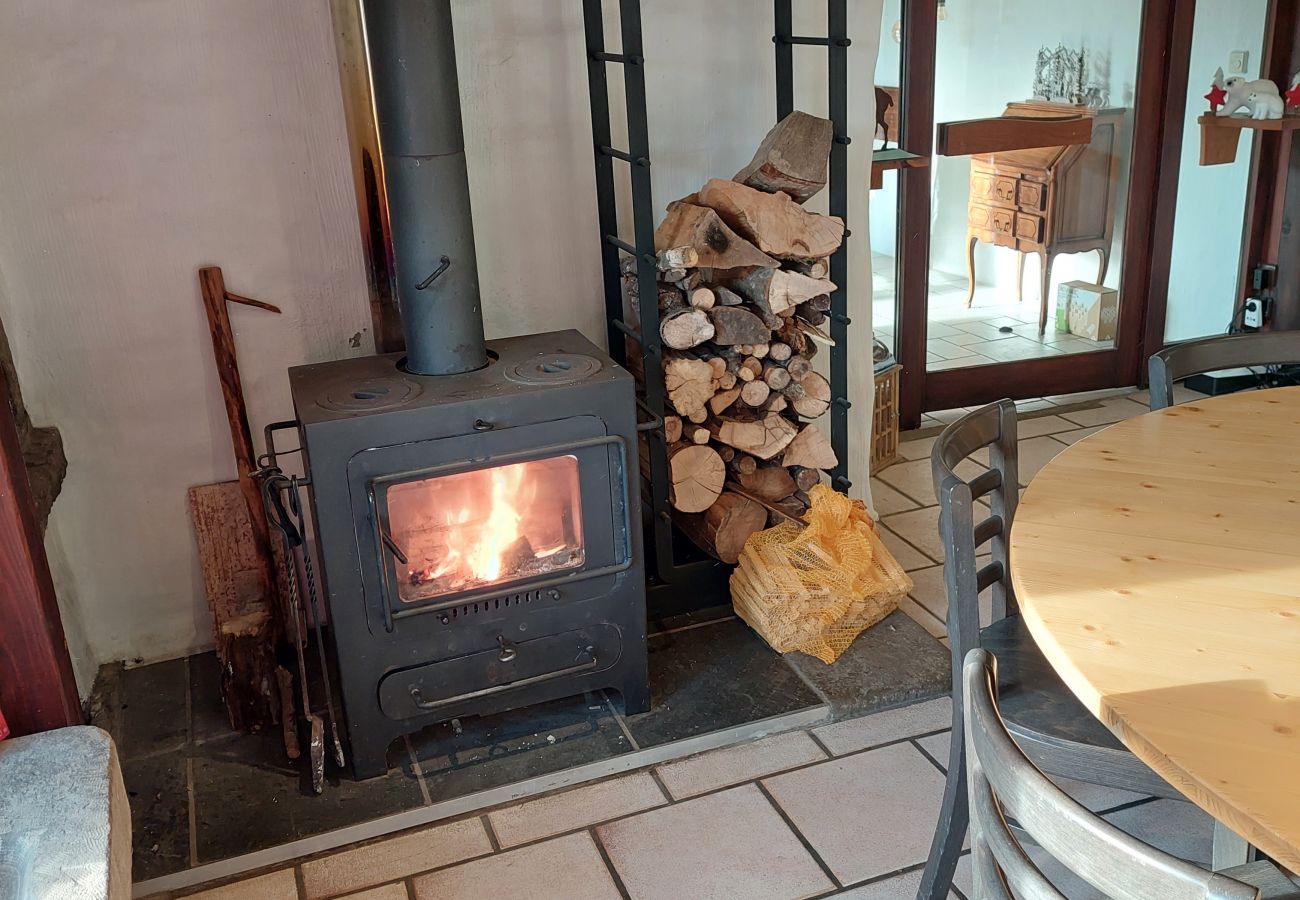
{"x":509,"y":666}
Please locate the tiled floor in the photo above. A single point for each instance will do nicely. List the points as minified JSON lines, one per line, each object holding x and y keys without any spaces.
{"x":845,"y":810}
{"x":996,"y":328}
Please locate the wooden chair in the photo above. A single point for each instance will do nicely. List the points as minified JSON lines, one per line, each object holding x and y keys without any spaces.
{"x":1229,"y":351}
{"x":1004,"y":784}
{"x":1052,"y":726}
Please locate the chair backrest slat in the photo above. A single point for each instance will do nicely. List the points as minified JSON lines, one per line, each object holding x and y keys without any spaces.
{"x":1229,"y":351}
{"x":1003,"y":784}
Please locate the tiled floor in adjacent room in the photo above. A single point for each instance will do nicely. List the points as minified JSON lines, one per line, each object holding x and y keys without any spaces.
{"x":844,"y":809}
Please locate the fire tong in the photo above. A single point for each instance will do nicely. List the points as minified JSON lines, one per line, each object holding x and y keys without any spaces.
{"x":291,"y":525}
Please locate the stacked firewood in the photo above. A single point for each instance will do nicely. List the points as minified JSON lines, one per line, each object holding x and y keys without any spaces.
{"x":743,"y":294}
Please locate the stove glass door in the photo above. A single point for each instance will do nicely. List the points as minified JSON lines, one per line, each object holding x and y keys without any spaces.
{"x":486,"y":527}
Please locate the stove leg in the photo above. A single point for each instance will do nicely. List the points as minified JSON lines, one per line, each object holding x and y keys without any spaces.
{"x":370,"y":756}
{"x":636,"y":695}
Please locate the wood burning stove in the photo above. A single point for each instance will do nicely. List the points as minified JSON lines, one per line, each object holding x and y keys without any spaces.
{"x":479,"y":533}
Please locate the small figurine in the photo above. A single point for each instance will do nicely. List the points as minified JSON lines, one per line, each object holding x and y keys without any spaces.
{"x":1217,"y":94}
{"x":1292,"y":96}
{"x":1240,"y":93}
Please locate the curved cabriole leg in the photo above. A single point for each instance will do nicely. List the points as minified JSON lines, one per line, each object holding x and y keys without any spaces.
{"x":1104,"y":252}
{"x":1046,"y":288}
{"x":1020,"y":276}
{"x":970,"y":270}
{"x":950,"y":833}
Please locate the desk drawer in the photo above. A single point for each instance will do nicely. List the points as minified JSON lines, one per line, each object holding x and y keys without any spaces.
{"x":1029,"y":228}
{"x":988,"y":186}
{"x":1031,"y":196}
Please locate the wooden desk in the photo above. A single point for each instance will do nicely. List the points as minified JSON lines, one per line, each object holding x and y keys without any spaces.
{"x":1157,"y":565}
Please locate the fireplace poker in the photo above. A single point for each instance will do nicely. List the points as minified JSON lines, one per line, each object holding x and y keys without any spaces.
{"x":272,"y":482}
{"x":295,"y":504}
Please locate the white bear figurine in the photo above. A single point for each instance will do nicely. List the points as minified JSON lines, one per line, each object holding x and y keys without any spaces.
{"x":1239,"y":92}
{"x":1264,"y":106}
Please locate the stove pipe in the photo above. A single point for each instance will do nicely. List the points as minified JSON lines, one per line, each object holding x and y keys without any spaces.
{"x":417,"y":108}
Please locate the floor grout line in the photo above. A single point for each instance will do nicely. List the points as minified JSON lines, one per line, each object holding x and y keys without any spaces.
{"x":807,"y":844}
{"x":621,"y":722}
{"x":192,"y":811}
{"x":418,"y":770}
{"x":609,"y":863}
{"x":486,"y":821}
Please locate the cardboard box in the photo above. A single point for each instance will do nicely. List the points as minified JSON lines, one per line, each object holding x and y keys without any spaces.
{"x":1092,"y":310}
{"x":1062,"y":304}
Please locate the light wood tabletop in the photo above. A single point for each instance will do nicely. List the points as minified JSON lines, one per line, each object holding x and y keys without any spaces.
{"x":1157,"y":565}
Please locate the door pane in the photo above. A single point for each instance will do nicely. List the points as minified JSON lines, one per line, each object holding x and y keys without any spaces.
{"x":998,"y":217}
{"x":883,"y":213}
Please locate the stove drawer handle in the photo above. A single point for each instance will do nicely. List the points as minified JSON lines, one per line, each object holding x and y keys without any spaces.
{"x":421,"y":703}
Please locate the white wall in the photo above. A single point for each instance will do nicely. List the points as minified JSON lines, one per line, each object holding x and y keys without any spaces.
{"x":1210,"y":215}
{"x":145,"y":139}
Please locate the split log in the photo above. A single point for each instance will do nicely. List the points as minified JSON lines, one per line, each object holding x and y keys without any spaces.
{"x":699,"y":416}
{"x":702,"y":298}
{"x":760,"y":351}
{"x":715,"y":244}
{"x":775,"y":376}
{"x":686,"y":328}
{"x":726,"y":296}
{"x":799,"y":367}
{"x":698,"y":434}
{"x":678,"y":258}
{"x":745,"y":374}
{"x":698,"y":474}
{"x":723,"y":529}
{"x":723,"y":399}
{"x":814,"y":268}
{"x":816,"y":397}
{"x":793,"y":157}
{"x":776,"y":291}
{"x":768,"y":483}
{"x":763,"y":439}
{"x":755,"y":393}
{"x":689,"y":383}
{"x":690,"y":281}
{"x":805,"y":479}
{"x":751,"y":365}
{"x":773,"y":222}
{"x":727,"y":381}
{"x":717,"y":364}
{"x":779,"y":351}
{"x":742,"y":463}
{"x":776,"y":403}
{"x":672,"y":275}
{"x":736,"y":325}
{"x":810,"y":449}
{"x":672,"y":429}
{"x":727,"y":453}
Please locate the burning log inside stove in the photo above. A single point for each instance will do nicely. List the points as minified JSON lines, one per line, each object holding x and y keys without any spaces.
{"x":743,"y":291}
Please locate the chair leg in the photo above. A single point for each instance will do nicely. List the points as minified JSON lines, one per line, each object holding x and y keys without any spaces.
{"x":1229,"y":850}
{"x":1020,"y":276}
{"x":950,"y":833}
{"x":970,"y":270}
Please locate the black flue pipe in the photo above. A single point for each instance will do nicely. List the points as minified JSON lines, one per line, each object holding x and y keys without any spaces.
{"x":417,"y":105}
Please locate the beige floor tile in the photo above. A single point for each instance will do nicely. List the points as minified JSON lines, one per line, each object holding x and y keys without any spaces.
{"x":938,"y":746}
{"x":395,"y":891}
{"x":888,"y":501}
{"x":576,"y":808}
{"x":394,"y":858}
{"x":724,"y":845}
{"x":1071,"y":437}
{"x":566,"y":868}
{"x":965,"y":362}
{"x":1181,"y":395}
{"x":865,"y":815}
{"x":914,"y":478}
{"x":1082,"y":396}
{"x":1034,"y":453}
{"x":929,"y":591}
{"x":923,"y":617}
{"x":1037,"y":425}
{"x":900,"y":887}
{"x":882,"y":727}
{"x":275,"y":886}
{"x":915,"y":448}
{"x":920,"y":528}
{"x":732,"y":765}
{"x":908,"y":556}
{"x":1115,"y":409}
{"x":1027,"y":406}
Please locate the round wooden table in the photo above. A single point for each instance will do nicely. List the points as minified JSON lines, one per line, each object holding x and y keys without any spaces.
{"x":1157,"y":565}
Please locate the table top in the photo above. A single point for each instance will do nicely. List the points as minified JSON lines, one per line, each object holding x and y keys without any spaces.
{"x":1157,"y":565}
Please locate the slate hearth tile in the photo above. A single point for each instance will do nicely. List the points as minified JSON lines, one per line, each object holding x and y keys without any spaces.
{"x":160,"y":829}
{"x":714,"y":677}
{"x":513,"y":746}
{"x":248,"y":796}
{"x":893,"y":662}
{"x":692,"y":618}
{"x":153,"y":709}
{"x":207,"y":711}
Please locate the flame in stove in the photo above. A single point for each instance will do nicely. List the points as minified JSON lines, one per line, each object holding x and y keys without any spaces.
{"x":502,"y":526}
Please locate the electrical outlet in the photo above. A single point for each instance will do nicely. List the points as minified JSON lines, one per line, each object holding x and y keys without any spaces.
{"x":1237,"y":61}
{"x":1253,"y":314}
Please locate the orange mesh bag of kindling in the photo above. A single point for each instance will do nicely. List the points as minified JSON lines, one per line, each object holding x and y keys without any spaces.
{"x":815,"y":587}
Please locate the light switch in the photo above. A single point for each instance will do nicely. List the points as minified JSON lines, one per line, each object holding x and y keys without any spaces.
{"x":1237,"y":61}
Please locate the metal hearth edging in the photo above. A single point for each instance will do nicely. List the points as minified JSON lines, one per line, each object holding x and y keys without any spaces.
{"x":472,"y":803}
{"x":673,"y":576}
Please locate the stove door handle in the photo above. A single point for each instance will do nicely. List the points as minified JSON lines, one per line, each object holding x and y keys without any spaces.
{"x":418,"y":697}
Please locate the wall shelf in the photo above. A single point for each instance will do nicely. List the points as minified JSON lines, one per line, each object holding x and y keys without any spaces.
{"x":883,"y":161}
{"x":1220,"y":135}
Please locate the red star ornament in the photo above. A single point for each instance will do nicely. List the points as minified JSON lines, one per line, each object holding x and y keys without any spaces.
{"x":1293,"y":96}
{"x":1217,"y":95}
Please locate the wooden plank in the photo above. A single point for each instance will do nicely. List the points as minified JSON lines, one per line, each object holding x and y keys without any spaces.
{"x":244,"y":625}
{"x":1001,"y":133}
{"x":37,"y":689}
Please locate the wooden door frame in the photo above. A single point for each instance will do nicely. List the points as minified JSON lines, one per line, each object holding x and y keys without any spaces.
{"x":37,"y":688}
{"x":1159,"y":110}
